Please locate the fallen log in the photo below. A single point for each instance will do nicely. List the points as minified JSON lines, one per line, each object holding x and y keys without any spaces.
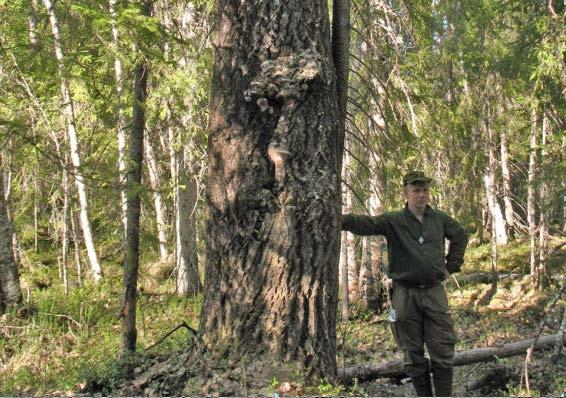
{"x":394,"y":369}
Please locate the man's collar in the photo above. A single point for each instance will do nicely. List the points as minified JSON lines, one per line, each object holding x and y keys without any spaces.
{"x":427,"y":210}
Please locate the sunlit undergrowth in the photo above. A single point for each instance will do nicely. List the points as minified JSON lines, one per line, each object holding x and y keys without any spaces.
{"x":59,"y":342}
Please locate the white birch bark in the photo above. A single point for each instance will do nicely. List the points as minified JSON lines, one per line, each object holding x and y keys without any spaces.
{"x":494,"y":258}
{"x":506,"y":174}
{"x":500,"y":229}
{"x":7,"y":191}
{"x":160,"y":211}
{"x":348,"y":283}
{"x":10,"y":291}
{"x":174,"y":167}
{"x":494,"y":209}
{"x":74,"y":146}
{"x":121,"y":127}
{"x":531,"y":198}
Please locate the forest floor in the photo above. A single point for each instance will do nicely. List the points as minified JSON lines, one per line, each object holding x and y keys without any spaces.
{"x":514,"y":313}
{"x":67,"y":344}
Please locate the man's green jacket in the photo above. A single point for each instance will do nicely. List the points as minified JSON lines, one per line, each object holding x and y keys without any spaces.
{"x":416,"y":250}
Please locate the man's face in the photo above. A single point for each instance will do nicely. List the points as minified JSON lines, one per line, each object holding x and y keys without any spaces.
{"x":417,"y":195}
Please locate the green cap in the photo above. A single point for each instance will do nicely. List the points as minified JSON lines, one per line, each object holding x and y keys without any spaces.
{"x":415,"y":176}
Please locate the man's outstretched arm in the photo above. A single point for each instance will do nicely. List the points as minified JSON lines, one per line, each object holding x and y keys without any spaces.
{"x":362,"y":225}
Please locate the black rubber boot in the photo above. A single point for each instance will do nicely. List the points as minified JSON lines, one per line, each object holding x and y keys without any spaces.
{"x":422,"y":385}
{"x":442,"y":378}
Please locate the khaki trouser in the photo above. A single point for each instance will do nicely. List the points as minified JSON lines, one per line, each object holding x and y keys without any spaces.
{"x":423,"y":317}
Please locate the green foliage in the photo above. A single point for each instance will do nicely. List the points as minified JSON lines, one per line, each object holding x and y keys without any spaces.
{"x":105,"y":377}
{"x":68,"y":342}
{"x":327,"y":389}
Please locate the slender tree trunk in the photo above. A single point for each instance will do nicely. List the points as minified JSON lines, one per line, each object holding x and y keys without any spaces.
{"x":343,"y":278}
{"x":366,"y":274}
{"x":65,"y":230}
{"x":73,"y":141}
{"x":184,"y":193}
{"x":274,"y":199}
{"x":497,"y":222}
{"x":350,"y":266}
{"x":378,"y":244}
{"x":10,"y":291}
{"x":531,"y":198}
{"x":506,"y":174}
{"x":121,"y":128}
{"x":35,"y":213}
{"x":188,"y":280}
{"x":490,"y":187}
{"x":174,"y":158}
{"x":7,"y":191}
{"x":77,"y":251}
{"x":494,"y":258}
{"x":353,"y":266}
{"x":341,"y":57}
{"x":543,"y":223}
{"x":160,"y":211}
{"x":134,"y":176}
{"x":32,"y":22}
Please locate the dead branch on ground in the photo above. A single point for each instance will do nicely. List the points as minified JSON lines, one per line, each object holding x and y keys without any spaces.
{"x":394,"y":369}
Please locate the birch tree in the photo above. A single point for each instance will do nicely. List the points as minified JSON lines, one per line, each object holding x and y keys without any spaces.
{"x":531,"y":199}
{"x":121,"y":121}
{"x":69,"y":113}
{"x":490,"y":181}
{"x":182,"y":19}
{"x":188,"y":280}
{"x":543,"y":200}
{"x":158,"y":200}
{"x":10,"y":291}
{"x":347,"y":269}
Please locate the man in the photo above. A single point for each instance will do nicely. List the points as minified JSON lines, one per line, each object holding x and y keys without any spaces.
{"x":418,"y":263}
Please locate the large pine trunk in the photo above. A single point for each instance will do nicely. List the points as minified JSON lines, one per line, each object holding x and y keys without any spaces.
{"x":273,"y":201}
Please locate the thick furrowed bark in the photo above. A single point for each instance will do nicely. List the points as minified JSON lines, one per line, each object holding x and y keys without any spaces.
{"x":272,"y":252}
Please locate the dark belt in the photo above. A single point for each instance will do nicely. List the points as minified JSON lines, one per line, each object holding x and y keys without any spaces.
{"x":414,"y":285}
